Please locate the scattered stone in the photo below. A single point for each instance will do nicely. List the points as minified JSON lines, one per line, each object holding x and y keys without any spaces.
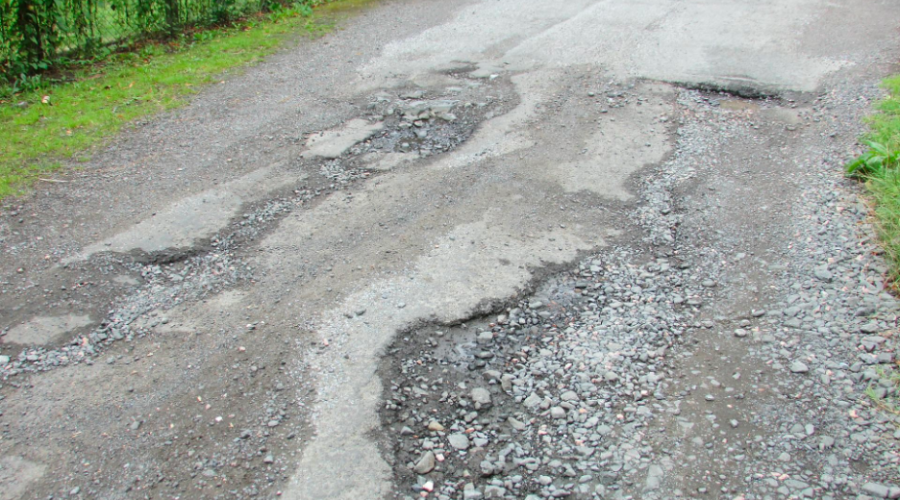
{"x":425,"y":464}
{"x":459,"y":441}
{"x":799,"y":367}
{"x":877,"y":490}
{"x":481,"y":396}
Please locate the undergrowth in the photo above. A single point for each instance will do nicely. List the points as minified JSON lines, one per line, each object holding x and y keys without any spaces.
{"x":879,"y":169}
{"x":883,"y":392}
{"x":45,"y":123}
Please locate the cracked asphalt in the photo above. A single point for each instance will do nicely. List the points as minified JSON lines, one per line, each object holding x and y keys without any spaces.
{"x":472,"y":249}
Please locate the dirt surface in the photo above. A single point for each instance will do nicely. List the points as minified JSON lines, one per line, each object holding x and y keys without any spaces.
{"x":471,"y":250}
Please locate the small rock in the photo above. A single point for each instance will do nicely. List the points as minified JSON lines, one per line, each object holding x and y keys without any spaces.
{"x":799,"y":367}
{"x":516,"y":424}
{"x":869,"y":328}
{"x":531,"y":401}
{"x":459,"y":441}
{"x":425,"y":464}
{"x":481,"y":396}
{"x":824,"y":275}
{"x":557,"y":413}
{"x":877,"y":490}
{"x":569,"y":396}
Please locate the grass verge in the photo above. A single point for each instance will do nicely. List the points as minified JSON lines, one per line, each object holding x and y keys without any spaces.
{"x":879,"y":169}
{"x":43,"y":127}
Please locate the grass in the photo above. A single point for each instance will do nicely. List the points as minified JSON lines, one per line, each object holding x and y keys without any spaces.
{"x":43,"y":128}
{"x":879,"y":168}
{"x":883,"y":392}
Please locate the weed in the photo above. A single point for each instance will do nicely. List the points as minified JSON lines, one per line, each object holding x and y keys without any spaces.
{"x":884,"y":390}
{"x":873,"y":163}
{"x":879,"y":168}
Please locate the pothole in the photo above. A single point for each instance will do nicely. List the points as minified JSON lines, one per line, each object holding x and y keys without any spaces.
{"x":417,"y":124}
{"x":549,"y":398}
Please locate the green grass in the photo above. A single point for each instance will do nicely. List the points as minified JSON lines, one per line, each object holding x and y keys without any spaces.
{"x":100,"y":101}
{"x":879,"y":168}
{"x":883,"y":391}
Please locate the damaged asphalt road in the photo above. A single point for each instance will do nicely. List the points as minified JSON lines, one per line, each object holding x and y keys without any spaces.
{"x":471,"y":250}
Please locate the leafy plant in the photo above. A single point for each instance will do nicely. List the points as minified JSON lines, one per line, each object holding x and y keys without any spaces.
{"x":873,"y":162}
{"x":879,"y":168}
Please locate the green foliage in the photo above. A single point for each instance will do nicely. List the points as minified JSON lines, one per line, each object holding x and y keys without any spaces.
{"x":36,"y":35}
{"x":884,"y":187}
{"x":874,"y":162}
{"x":879,"y":168}
{"x":102,"y":99}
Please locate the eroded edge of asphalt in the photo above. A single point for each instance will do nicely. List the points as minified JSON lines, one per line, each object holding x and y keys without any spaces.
{"x":746,"y":420}
{"x":173,"y":257}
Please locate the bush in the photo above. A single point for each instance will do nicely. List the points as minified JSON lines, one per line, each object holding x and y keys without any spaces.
{"x":36,"y":34}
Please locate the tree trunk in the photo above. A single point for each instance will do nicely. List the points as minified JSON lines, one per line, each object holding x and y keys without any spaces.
{"x":29,"y":27}
{"x":173,"y":17}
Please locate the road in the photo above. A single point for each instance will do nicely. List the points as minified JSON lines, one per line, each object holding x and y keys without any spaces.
{"x":622,"y":222}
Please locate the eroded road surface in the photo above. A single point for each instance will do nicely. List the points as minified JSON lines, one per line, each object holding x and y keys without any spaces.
{"x":472,"y":249}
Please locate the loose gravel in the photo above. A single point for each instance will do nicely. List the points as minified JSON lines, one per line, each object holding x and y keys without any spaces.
{"x":686,"y":366}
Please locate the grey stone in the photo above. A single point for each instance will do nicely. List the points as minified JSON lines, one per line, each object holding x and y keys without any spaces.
{"x":481,"y":396}
{"x":569,"y":396}
{"x":425,"y":464}
{"x":459,"y":441}
{"x":532,"y":401}
{"x":799,"y":367}
{"x":516,"y":424}
{"x":877,"y":490}
{"x":654,"y":478}
{"x":824,"y":275}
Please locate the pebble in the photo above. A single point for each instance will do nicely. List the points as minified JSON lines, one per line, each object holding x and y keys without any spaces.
{"x":799,"y":367}
{"x":458,"y":441}
{"x":481,"y":396}
{"x":425,"y":464}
